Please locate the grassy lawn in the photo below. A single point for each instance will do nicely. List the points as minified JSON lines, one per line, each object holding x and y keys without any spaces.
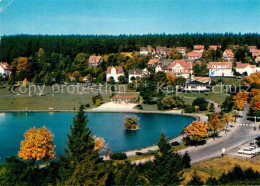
{"x":227,"y":80}
{"x":138,"y":157}
{"x":215,"y":167}
{"x":152,"y":107}
{"x":61,"y":101}
{"x":218,"y":97}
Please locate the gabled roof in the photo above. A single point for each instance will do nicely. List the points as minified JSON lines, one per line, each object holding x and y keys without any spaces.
{"x":119,"y":70}
{"x":161,"y":48}
{"x":198,"y":47}
{"x":5,"y":66}
{"x":194,"y":54}
{"x":255,"y":53}
{"x":244,"y":65}
{"x":223,"y":65}
{"x":94,"y":59}
{"x":214,"y":47}
{"x":152,"y":61}
{"x":252,"y":47}
{"x":229,"y":53}
{"x":187,"y":66}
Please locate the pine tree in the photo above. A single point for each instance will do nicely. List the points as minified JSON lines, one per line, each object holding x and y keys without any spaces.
{"x":186,"y":160}
{"x":80,"y":140}
{"x":167,"y":165}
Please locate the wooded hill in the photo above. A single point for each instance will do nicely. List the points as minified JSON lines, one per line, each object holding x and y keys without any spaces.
{"x":27,"y":45}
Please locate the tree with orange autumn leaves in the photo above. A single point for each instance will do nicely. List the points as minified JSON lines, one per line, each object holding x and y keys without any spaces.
{"x":215,"y":123}
{"x":255,"y":102}
{"x":240,"y":100}
{"x":227,"y":118}
{"x":37,"y":145}
{"x":253,"y":80}
{"x":196,"y":131}
{"x":99,"y":143}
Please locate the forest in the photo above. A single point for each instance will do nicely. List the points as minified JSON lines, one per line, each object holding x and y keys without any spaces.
{"x":70,"y":45}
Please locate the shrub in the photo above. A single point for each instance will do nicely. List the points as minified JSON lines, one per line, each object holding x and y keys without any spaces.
{"x":168,"y":103}
{"x":175,"y":143}
{"x":189,"y":109}
{"x":202,"y":103}
{"x":138,"y":153}
{"x":118,"y":156}
{"x":140,"y":107}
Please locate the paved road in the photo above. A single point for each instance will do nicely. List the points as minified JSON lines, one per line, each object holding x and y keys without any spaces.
{"x":238,"y":136}
{"x":241,"y":135}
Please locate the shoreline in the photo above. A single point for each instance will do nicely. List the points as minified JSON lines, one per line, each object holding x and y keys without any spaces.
{"x":172,"y":112}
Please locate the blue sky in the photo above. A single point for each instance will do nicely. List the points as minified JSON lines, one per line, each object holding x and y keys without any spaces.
{"x":128,"y":16}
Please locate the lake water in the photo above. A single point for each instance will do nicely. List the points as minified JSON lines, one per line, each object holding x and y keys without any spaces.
{"x":106,"y":125}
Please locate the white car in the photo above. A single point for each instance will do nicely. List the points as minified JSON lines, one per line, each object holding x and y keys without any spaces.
{"x":248,"y":152}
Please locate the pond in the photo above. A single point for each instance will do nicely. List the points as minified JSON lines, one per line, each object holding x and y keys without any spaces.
{"x":106,"y":125}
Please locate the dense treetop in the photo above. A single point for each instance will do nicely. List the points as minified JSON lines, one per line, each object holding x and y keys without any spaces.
{"x":70,"y":45}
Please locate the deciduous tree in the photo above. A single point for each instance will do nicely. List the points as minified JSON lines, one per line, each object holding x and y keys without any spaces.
{"x":196,"y":131}
{"x":215,"y":123}
{"x":37,"y":145}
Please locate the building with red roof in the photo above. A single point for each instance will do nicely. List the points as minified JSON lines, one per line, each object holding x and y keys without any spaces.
{"x":247,"y":68}
{"x":194,"y":55}
{"x":214,"y":47}
{"x":115,"y":72}
{"x":228,"y":55}
{"x":180,"y":68}
{"x":198,"y":48}
{"x":5,"y":69}
{"x":220,"y":69}
{"x":153,"y":62}
{"x":94,"y":61}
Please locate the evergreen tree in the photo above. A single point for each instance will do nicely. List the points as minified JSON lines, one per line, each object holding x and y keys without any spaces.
{"x":195,"y":180}
{"x":167,"y":167}
{"x":186,"y":160}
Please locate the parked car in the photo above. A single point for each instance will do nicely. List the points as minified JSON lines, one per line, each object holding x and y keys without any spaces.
{"x":248,"y":151}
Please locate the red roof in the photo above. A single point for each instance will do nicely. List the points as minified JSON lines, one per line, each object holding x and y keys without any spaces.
{"x":214,"y":47}
{"x":255,"y":53}
{"x":5,"y":66}
{"x":244,"y":65}
{"x":186,"y":65}
{"x":229,"y":53}
{"x":119,"y":70}
{"x":152,"y":61}
{"x":123,"y":97}
{"x":94,"y":59}
{"x":194,"y":54}
{"x":198,"y":47}
{"x":252,"y":47}
{"x":226,"y":65}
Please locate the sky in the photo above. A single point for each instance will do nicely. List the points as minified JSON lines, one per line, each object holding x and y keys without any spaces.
{"x":128,"y":16}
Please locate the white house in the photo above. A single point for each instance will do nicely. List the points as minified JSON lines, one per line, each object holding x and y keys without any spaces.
{"x":180,"y":68}
{"x":181,"y":50}
{"x":134,"y":74}
{"x":198,"y":84}
{"x":94,"y":61}
{"x":228,"y":55}
{"x":198,"y":48}
{"x":246,"y":68}
{"x":146,"y":50}
{"x":115,"y":72}
{"x":5,"y":69}
{"x":220,"y":69}
{"x":194,"y":55}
